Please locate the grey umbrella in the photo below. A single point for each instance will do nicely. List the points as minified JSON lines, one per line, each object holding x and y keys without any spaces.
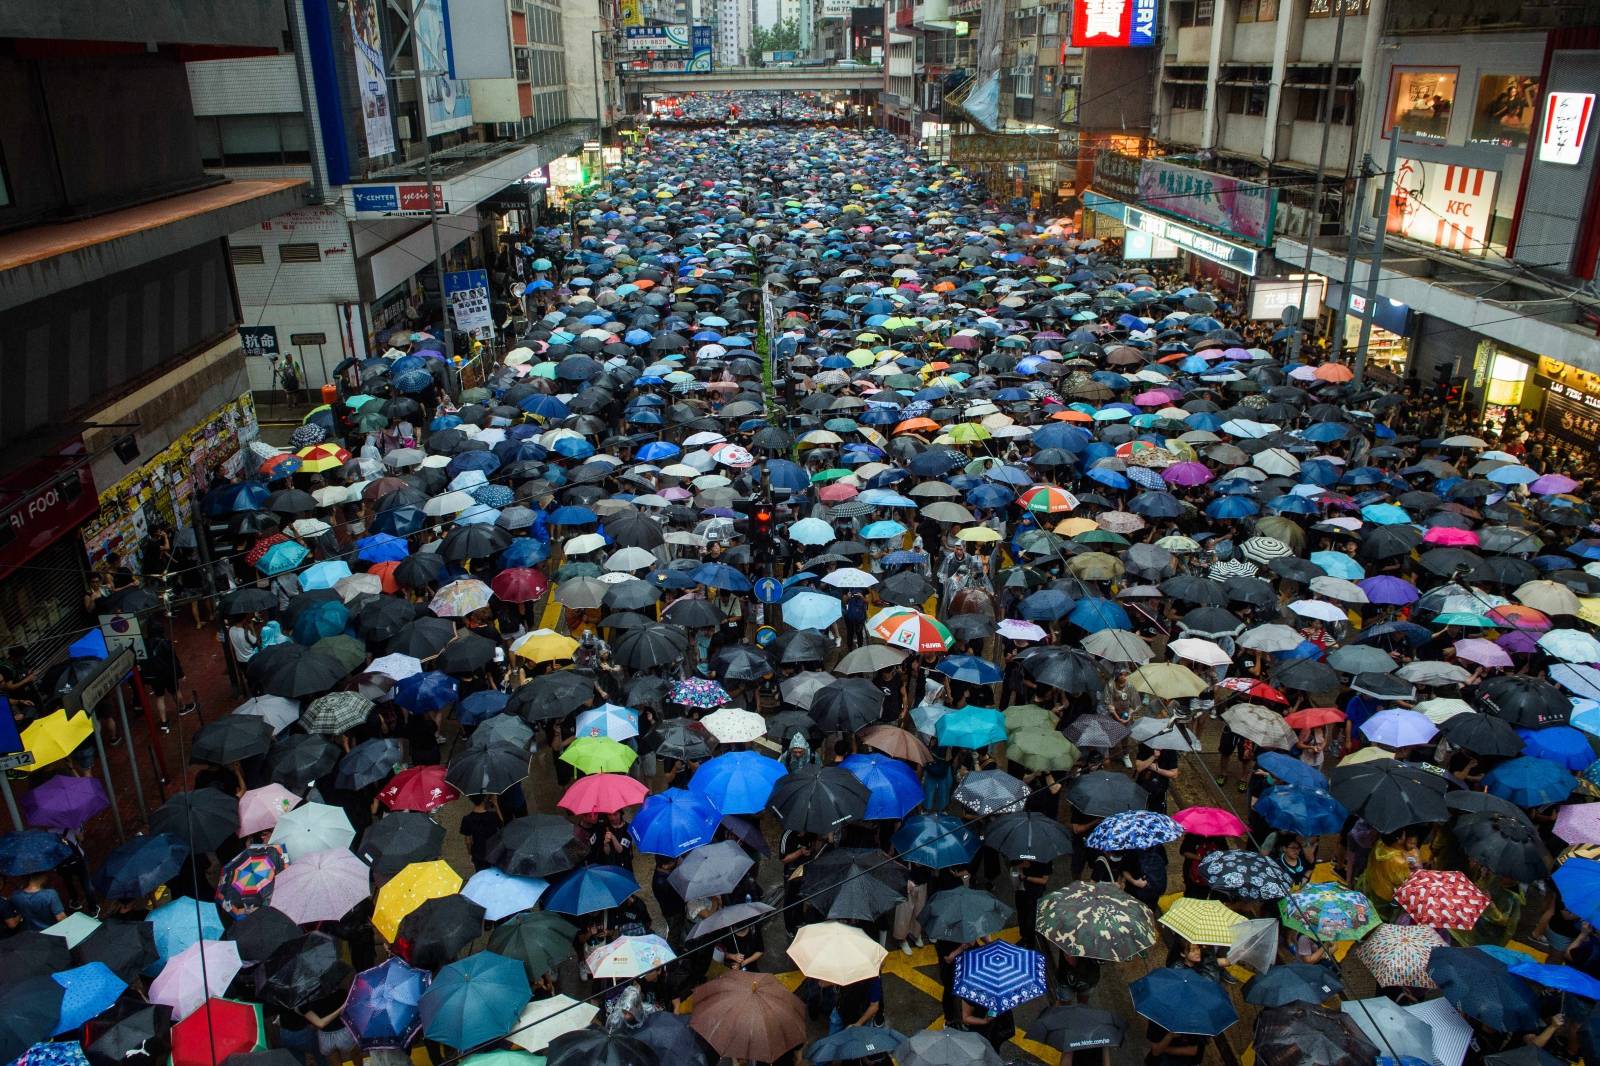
{"x":947,"y":1047}
{"x":711,"y":870}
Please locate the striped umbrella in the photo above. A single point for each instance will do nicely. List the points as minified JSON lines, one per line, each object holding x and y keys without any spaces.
{"x":903,"y":627}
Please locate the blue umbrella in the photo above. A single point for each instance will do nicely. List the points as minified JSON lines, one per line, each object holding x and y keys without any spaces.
{"x":1133,"y":830}
{"x":1338,"y":564}
{"x":282,"y":557}
{"x":1482,"y":988}
{"x":1306,"y":811}
{"x":1530,"y":782}
{"x":1560,"y":978}
{"x":430,"y":690}
{"x":1044,"y":605}
{"x":589,"y":889}
{"x":324,"y":575}
{"x":999,"y":976}
{"x":136,"y":867}
{"x":657,"y":450}
{"x":971,"y":727}
{"x":88,"y":991}
{"x":1579,"y":883}
{"x":481,"y":706}
{"x":970,"y":669}
{"x":1291,"y":771}
{"x":937,"y":841}
{"x":855,"y":1042}
{"x":474,"y":1001}
{"x":325,"y":618}
{"x":573,"y":516}
{"x":523,"y":551}
{"x":399,"y":521}
{"x":1093,"y":614}
{"x":1563,"y":745}
{"x":1183,"y":1001}
{"x":673,"y":822}
{"x":501,"y":895}
{"x":1229,"y":507}
{"x":182,"y":922}
{"x":720,"y":576}
{"x":32,"y":851}
{"x":382,"y":548}
{"x":739,"y":782}
{"x":382,"y":1007}
{"x":893,"y":787}
{"x":229,"y":499}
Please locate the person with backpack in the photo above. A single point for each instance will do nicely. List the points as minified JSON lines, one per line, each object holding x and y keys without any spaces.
{"x":855,"y":619}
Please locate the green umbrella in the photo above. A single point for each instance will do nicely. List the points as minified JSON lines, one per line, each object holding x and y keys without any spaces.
{"x":540,"y":940}
{"x":822,"y":477}
{"x":371,"y":421}
{"x":595,"y":755}
{"x":1029,"y":716}
{"x":1041,"y":749}
{"x":349,"y":651}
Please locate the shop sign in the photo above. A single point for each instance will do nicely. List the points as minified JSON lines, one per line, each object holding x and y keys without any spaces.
{"x":42,"y":501}
{"x":1269,"y":299}
{"x":468,"y":291}
{"x":379,"y":201}
{"x":1117,"y":175}
{"x":1224,"y":203}
{"x":1136,"y":244}
{"x":1442,"y":204}
{"x":566,"y":172}
{"x":1113,"y":23}
{"x":259,"y":340}
{"x":1565,"y":127}
{"x":655,"y":38}
{"x":1224,"y":253}
{"x":1569,"y":413}
{"x":1391,"y":315}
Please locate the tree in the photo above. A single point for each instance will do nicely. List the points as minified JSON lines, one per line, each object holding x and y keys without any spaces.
{"x":784,"y":37}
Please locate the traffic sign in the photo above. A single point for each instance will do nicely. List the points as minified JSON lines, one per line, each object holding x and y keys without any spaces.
{"x":768,"y":589}
{"x":765,"y":635}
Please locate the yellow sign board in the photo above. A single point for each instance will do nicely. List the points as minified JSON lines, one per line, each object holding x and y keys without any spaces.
{"x":632,"y":12}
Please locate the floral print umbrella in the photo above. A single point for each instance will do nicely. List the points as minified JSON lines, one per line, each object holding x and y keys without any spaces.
{"x":1097,"y":921}
{"x":1246,"y":874}
{"x":699,"y":692}
{"x":1132,"y":830}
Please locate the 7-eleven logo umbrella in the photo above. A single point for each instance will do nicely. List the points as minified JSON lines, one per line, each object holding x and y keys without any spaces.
{"x":910,"y":629}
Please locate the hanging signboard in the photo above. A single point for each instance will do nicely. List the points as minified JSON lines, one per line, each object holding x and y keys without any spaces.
{"x":1442,"y":204}
{"x":447,"y":102}
{"x":468,"y":291}
{"x":1565,"y":127}
{"x":372,"y":76}
{"x":1224,"y":203}
{"x":1113,"y":23}
{"x":1226,"y":253}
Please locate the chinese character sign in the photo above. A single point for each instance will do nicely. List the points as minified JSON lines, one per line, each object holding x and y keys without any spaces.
{"x":1565,"y":127}
{"x":1241,"y":208}
{"x":1113,"y":23}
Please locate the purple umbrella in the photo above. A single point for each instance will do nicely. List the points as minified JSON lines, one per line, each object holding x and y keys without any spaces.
{"x":64,"y":802}
{"x":1483,"y":652}
{"x":1388,"y":590}
{"x":1518,"y":643}
{"x":1552,"y":485}
{"x":1396,"y":727}
{"x":1187,"y":474}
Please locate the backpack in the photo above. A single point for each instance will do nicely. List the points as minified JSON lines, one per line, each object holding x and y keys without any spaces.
{"x":855,"y":608}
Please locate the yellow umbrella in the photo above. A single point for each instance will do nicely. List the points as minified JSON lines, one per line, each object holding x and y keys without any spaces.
{"x":836,"y":953}
{"x":1589,"y":609}
{"x":53,"y":737}
{"x":1202,"y":921}
{"x":1167,"y":681}
{"x":978,"y":535}
{"x":410,"y":889}
{"x":544,"y":646}
{"x":1096,"y":566}
{"x":1071,"y":527}
{"x":1367,"y":754}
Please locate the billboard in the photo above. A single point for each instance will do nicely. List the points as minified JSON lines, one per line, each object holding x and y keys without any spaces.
{"x":480,"y":39}
{"x":1442,"y":204}
{"x":447,"y":103}
{"x":699,"y":49}
{"x":1241,"y":208}
{"x":655,"y":38}
{"x":1113,"y":23}
{"x":468,"y":291}
{"x":1565,"y":127}
{"x":1269,"y":298}
{"x":371,"y":76}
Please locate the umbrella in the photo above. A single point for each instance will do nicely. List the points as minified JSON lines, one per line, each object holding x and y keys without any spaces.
{"x":749,"y":1016}
{"x":1390,"y":795}
{"x":87,"y":991}
{"x":206,"y":817}
{"x":137,"y":1038}
{"x":539,"y":940}
{"x":249,"y":877}
{"x":999,"y":976}
{"x":1182,"y":1001}
{"x":260,"y":808}
{"x":438,"y":929}
{"x":536,"y":845}
{"x":673,"y":1040}
{"x":741,"y":782}
{"x":127,"y":948}
{"x":313,"y":827}
{"x":302,"y":971}
{"x":1398,"y":1032}
{"x":382,"y":1008}
{"x":407,"y":890}
{"x":711,"y":870}
{"x":855,"y":1042}
{"x":474,"y":1001}
{"x":323,"y":886}
{"x":819,"y":799}
{"x":1202,"y":921}
{"x":1299,"y":1034}
{"x":1103,"y":792}
{"x":963,"y":914}
{"x":1134,"y":830}
{"x":1480,"y":987}
{"x":64,"y":802}
{"x":182,"y":921}
{"x":673,"y":822}
{"x":218,"y":1029}
{"x":1072,"y":1028}
{"x":230,"y":739}
{"x":1097,"y":921}
{"x":1294,"y":982}
{"x":609,"y":793}
{"x":31,"y":1007}
{"x":1444,"y":899}
{"x":1246,"y":874}
{"x":1329,"y":911}
{"x":545,"y":1020}
{"x":836,"y":953}
{"x":946,"y":1047}
{"x":32,"y":851}
{"x":589,"y":889}
{"x":1028,"y":836}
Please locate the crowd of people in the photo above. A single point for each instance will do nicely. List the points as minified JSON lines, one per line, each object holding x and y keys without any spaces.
{"x":838,"y":567}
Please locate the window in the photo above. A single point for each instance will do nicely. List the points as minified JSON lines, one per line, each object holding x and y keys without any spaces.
{"x":246,"y":255}
{"x":253,"y":140}
{"x":1420,"y":102}
{"x":1247,"y":100}
{"x":1504,"y":109}
{"x":306,"y":252}
{"x":1188,"y":97}
{"x":1308,"y":106}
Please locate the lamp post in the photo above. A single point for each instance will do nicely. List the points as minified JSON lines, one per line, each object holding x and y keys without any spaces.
{"x":598,"y":54}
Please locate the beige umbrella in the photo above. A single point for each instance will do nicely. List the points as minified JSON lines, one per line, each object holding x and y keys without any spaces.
{"x":1167,"y":681}
{"x":1096,"y":566}
{"x":1204,"y":652}
{"x":1120,"y":522}
{"x":1118,"y":646}
{"x":1284,"y":529}
{"x":1260,"y":725}
{"x":1337,"y":588}
{"x":1271,"y":637}
{"x":1549,"y":597}
{"x":947,"y":511}
{"x":870,"y":658}
{"x":836,"y":953}
{"x":545,"y":1019}
{"x":1442,"y":709}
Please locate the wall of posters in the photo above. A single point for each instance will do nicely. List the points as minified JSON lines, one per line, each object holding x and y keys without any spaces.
{"x":1420,"y":102}
{"x":447,"y":103}
{"x":1503,"y":112}
{"x":1442,"y":204}
{"x":371,"y":76}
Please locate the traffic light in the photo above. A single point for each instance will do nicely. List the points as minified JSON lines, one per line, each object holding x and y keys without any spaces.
{"x":763,"y":522}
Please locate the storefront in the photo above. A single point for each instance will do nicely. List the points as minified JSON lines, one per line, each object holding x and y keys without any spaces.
{"x":43,"y":579}
{"x":1532,"y":392}
{"x":1393,"y":327}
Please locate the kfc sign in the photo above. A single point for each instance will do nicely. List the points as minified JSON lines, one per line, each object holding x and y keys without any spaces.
{"x":1113,"y":23}
{"x":1565,"y":127}
{"x":1442,"y":204}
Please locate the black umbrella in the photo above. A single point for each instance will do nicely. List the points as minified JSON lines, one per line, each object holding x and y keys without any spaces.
{"x":847,"y":705}
{"x":488,"y":770}
{"x":296,"y":672}
{"x":382,"y":616}
{"x":397,"y":840}
{"x":126,"y":948}
{"x":1481,"y":987}
{"x":420,"y":570}
{"x":137,"y":866}
{"x":634,"y":529}
{"x":370,"y":762}
{"x":230,"y":739}
{"x":692,"y":612}
{"x":650,"y":646}
{"x":1103,"y":793}
{"x":817,"y":799}
{"x":1307,"y":675}
{"x":631,"y":595}
{"x":671,"y":1038}
{"x":465,"y":654}
{"x":1301,"y":1035}
{"x":552,"y":696}
{"x":1294,"y":982}
{"x":537,"y":845}
{"x":964,"y":914}
{"x":540,"y":940}
{"x":853,"y":884}
{"x":680,"y":738}
{"x":477,"y":541}
{"x":970,"y":626}
{"x":1390,"y":795}
{"x":801,"y":646}
{"x":1385,"y":687}
{"x":34,"y":952}
{"x":740,"y":662}
{"x":1482,"y":734}
{"x":439,"y":930}
{"x":29,"y":1009}
{"x":1530,"y":702}
{"x":302,"y":971}
{"x":298,"y":759}
{"x":1028,"y":835}
{"x":1066,"y":669}
{"x":204,"y":816}
{"x":424,"y":637}
{"x":596,"y":1047}
{"x":1246,"y":875}
{"x":907,"y":588}
{"x":259,"y":933}
{"x":1507,"y":844}
{"x":250,"y":599}
{"x":140,"y":1037}
{"x":1072,"y":1027}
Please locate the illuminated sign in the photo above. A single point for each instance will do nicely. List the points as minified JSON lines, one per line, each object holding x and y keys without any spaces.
{"x":1442,"y":204}
{"x":566,"y":172}
{"x":1565,"y":127}
{"x":1233,"y":256}
{"x":1242,"y":208}
{"x":1113,"y":23}
{"x":373,"y":201}
{"x":1136,"y":244}
{"x":1269,"y":299}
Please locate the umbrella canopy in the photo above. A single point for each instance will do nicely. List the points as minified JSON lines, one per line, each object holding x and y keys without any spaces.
{"x":474,"y":1001}
{"x":1182,"y":1001}
{"x":749,"y":1016}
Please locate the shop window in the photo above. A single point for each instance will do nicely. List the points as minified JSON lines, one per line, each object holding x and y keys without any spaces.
{"x":1503,"y":112}
{"x":1420,"y":102}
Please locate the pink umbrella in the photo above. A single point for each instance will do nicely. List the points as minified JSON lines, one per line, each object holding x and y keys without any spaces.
{"x":1187,"y":473}
{"x":837,"y":493}
{"x":1552,"y":485}
{"x":1578,"y":823}
{"x":1450,"y":536}
{"x":197,"y":973}
{"x":260,"y":808}
{"x":1020,"y":629}
{"x":1153,"y":398}
{"x":322,"y":886}
{"x":1210,"y":822}
{"x":602,"y":794}
{"x":1483,"y":652}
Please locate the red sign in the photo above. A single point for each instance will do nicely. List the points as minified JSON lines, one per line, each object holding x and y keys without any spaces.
{"x":1113,"y":23}
{"x":415,"y":197}
{"x":42,"y":501}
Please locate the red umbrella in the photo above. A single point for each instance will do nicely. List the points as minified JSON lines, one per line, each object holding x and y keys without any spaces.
{"x":1444,"y":899}
{"x":1312,"y":717}
{"x":419,"y":788}
{"x":602,"y":794}
{"x":1256,"y":690}
{"x":1210,"y":822}
{"x":519,"y":584}
{"x":385,"y":572}
{"x":221,"y":1027}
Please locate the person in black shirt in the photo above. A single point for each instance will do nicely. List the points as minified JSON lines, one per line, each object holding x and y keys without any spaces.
{"x":480,"y":825}
{"x":1031,"y":878}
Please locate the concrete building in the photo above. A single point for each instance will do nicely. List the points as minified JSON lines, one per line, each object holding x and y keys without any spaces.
{"x":732,"y":32}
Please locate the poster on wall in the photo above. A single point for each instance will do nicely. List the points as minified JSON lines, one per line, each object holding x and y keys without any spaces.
{"x":1504,"y":111}
{"x":1420,"y":102}
{"x":1565,"y":127}
{"x":1241,"y":208}
{"x":468,"y":291}
{"x":1442,"y":204}
{"x":448,"y":103}
{"x":371,"y":76}
{"x":632,"y":12}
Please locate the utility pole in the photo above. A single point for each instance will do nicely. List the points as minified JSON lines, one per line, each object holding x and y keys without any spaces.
{"x":1336,"y":342}
{"x":1382,"y":226}
{"x":1326,"y":117}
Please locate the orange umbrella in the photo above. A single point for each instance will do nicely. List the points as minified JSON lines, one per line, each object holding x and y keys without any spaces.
{"x":1312,"y":717}
{"x":1067,"y":414}
{"x":1336,"y":372}
{"x":385,"y":572}
{"x":917,"y":425}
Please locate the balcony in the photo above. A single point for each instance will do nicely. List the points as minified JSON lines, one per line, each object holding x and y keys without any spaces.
{"x":1305,"y":142}
{"x":1184,"y":127}
{"x":1253,"y":42}
{"x":1242,"y":134}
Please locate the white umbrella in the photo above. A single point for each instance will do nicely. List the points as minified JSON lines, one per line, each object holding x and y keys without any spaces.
{"x":448,"y":503}
{"x":277,"y":711}
{"x":1319,"y":609}
{"x":852,"y":578}
{"x":630,"y":559}
{"x":733,"y":725}
{"x":1337,"y":588}
{"x":1118,"y":646}
{"x":1200,"y":651}
{"x":1271,"y":637}
{"x":545,"y":1019}
{"x":1164,"y":734}
{"x":313,"y":827}
{"x":1276,"y":461}
{"x":395,"y":665}
{"x":583,"y":543}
